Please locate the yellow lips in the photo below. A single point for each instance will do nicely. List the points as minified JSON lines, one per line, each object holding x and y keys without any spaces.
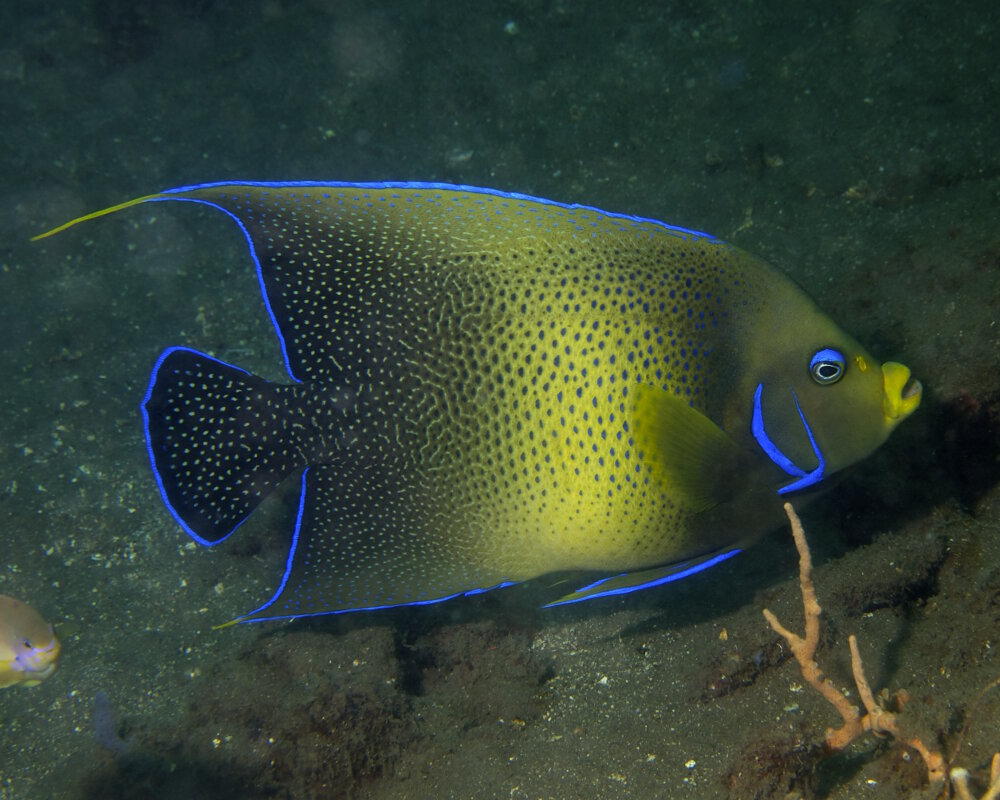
{"x":901,"y":396}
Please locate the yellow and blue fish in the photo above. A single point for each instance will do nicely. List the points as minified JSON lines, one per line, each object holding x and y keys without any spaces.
{"x":29,"y":649}
{"x":488,"y":387}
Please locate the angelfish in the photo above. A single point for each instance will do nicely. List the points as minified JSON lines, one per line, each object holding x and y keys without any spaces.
{"x":488,"y":387}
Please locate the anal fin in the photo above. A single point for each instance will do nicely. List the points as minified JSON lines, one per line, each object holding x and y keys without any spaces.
{"x":644,"y":579}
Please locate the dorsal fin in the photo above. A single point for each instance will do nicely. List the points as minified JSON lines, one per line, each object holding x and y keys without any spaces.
{"x":97,"y":214}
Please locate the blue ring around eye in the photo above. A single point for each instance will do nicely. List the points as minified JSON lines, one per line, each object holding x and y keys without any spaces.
{"x":827,"y":354}
{"x":827,"y":366}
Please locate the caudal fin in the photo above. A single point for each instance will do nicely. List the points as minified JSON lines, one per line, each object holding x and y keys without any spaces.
{"x":218,"y":439}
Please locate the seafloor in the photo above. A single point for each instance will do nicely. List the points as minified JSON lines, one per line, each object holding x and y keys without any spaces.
{"x":855,"y":145}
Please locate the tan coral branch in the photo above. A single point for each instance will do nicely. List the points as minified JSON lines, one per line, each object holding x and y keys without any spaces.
{"x":960,"y":781}
{"x":877,"y":718}
{"x":804,"y":649}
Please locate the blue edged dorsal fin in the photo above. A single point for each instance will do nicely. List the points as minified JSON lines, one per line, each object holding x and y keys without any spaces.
{"x":644,"y":579}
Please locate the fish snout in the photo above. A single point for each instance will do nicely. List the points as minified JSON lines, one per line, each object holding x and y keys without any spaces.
{"x":900,"y":393}
{"x":38,"y":660}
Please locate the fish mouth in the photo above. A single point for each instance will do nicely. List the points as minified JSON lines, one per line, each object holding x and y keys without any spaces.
{"x":43,"y":673}
{"x":901,"y":392}
{"x":40,"y":662}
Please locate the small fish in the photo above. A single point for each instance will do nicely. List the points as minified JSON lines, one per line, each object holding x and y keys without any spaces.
{"x":489,"y":387}
{"x":29,"y":649}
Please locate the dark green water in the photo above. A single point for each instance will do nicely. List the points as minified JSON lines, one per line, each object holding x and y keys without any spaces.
{"x":856,"y":147}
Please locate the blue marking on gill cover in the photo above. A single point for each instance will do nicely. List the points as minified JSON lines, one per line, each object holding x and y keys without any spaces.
{"x":682,"y":572}
{"x":805,"y":479}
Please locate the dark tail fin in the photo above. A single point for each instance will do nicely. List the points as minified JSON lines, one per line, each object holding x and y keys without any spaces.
{"x":218,"y":440}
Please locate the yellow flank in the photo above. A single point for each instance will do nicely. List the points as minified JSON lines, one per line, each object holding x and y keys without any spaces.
{"x":530,"y":352}
{"x":29,"y":649}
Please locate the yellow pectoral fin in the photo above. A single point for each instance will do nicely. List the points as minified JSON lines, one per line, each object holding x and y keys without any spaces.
{"x":693,"y":457}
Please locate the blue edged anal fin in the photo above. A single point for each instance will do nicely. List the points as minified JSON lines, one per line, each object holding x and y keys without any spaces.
{"x":695,"y":461}
{"x":644,"y":579}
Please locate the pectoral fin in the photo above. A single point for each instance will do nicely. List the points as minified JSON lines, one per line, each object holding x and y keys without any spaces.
{"x":686,"y":450}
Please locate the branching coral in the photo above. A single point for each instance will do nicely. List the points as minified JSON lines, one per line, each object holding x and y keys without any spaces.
{"x":876,"y":718}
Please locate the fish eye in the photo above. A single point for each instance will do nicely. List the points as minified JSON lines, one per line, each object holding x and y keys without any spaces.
{"x":827,"y":366}
{"x":27,"y":644}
